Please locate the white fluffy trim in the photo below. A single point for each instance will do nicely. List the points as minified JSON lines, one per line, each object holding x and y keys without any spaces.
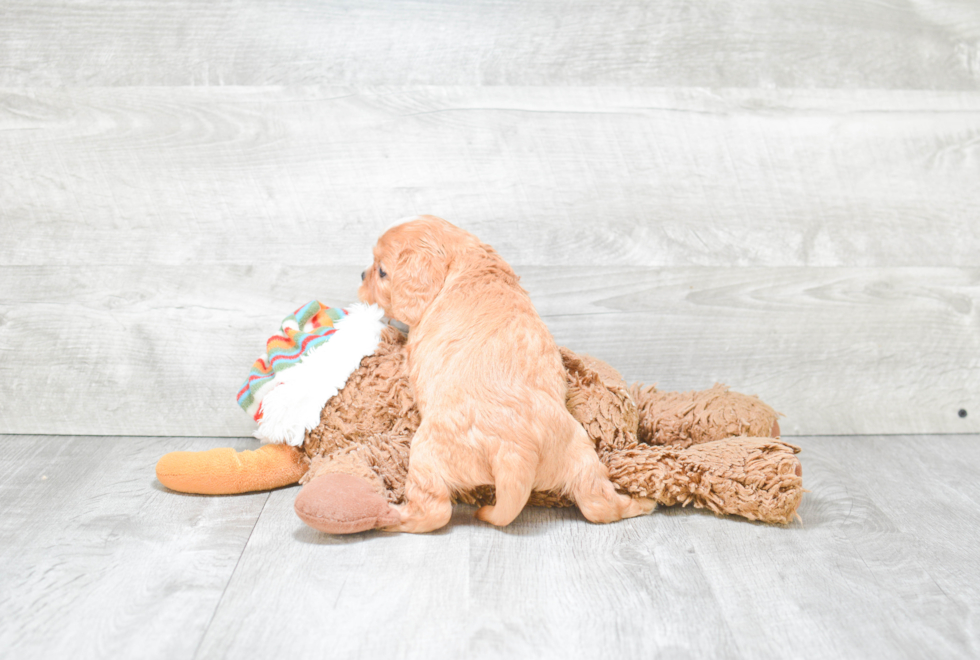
{"x":293,"y":406}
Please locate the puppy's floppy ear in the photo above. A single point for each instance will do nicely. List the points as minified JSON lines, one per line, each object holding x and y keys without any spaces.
{"x":416,"y":279}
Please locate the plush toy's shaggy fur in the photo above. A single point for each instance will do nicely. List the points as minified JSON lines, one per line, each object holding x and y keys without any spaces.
{"x":366,"y":430}
{"x":671,"y":447}
{"x":674,"y":448}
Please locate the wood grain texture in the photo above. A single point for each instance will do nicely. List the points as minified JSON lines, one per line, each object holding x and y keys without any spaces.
{"x":920,"y":44}
{"x":309,"y":594}
{"x":837,"y":350}
{"x":939,"y":523}
{"x":882,"y":532}
{"x":550,"y":176}
{"x":163,"y":350}
{"x":98,"y":560}
{"x":550,"y":586}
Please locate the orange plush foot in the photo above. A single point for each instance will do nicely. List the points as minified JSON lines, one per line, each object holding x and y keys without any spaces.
{"x":223,"y":471}
{"x":338,"y":503}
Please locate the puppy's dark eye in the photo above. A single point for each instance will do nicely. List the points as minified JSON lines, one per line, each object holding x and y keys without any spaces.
{"x":381,"y":271}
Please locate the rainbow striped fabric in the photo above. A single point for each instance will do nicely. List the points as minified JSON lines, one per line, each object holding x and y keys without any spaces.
{"x":308,"y":327}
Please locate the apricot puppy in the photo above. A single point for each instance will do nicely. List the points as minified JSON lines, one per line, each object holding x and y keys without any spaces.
{"x":488,"y":380}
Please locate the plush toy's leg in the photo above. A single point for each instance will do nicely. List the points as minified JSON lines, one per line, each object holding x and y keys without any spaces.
{"x":345,"y":492}
{"x":682,"y":419}
{"x":223,"y":471}
{"x":756,"y":478}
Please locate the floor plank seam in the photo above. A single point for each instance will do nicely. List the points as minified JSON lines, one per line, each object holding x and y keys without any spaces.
{"x":231,"y":577}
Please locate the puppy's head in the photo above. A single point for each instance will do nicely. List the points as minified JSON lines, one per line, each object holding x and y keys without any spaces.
{"x":411,"y":262}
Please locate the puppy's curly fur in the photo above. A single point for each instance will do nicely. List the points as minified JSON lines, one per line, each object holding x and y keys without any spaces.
{"x":488,"y":381}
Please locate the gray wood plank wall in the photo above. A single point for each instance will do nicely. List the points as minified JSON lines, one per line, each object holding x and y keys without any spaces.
{"x":786,"y":199}
{"x":894,"y":44}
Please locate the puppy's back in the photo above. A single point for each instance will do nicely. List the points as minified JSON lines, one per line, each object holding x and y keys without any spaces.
{"x":482,"y":336}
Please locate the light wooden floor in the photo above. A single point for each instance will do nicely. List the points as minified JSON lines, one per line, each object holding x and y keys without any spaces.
{"x":99,"y":561}
{"x":781,"y":196}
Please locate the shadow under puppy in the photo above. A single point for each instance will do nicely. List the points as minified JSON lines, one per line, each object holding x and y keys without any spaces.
{"x":488,"y":380}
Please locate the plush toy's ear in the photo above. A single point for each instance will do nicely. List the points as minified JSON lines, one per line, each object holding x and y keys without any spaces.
{"x":416,"y":279}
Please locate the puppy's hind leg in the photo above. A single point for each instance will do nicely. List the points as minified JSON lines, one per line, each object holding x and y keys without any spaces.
{"x":428,"y":501}
{"x":513,"y":478}
{"x":593,"y":492}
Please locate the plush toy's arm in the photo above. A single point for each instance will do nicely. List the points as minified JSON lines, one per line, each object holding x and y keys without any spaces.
{"x":756,"y":478}
{"x":341,"y":503}
{"x":223,"y":471}
{"x":349,"y":490}
{"x":682,"y":419}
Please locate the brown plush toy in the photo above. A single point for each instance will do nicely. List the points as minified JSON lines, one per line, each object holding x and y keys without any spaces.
{"x":715,"y":449}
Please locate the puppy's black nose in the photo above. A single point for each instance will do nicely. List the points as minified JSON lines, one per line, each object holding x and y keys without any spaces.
{"x":363,"y":275}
